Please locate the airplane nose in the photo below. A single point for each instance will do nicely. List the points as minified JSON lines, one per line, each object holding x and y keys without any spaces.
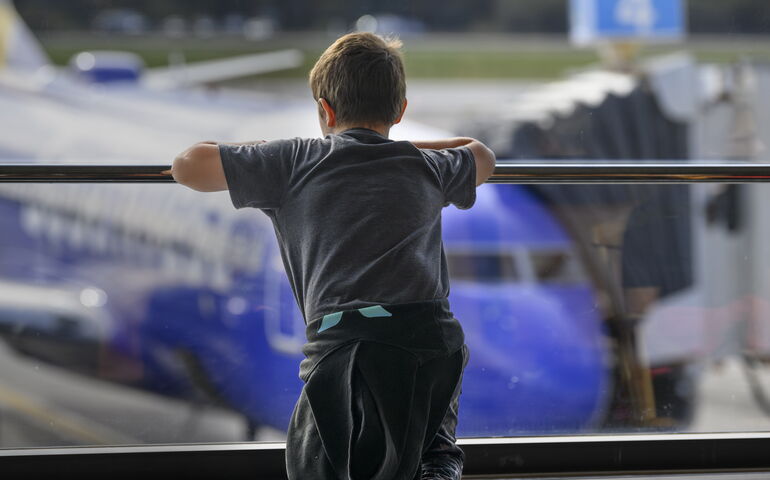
{"x":537,"y":359}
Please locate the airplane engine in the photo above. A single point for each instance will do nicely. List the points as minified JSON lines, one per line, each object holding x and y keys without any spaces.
{"x":107,"y":67}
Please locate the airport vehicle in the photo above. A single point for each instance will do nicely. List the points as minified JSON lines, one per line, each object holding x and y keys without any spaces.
{"x":175,"y":292}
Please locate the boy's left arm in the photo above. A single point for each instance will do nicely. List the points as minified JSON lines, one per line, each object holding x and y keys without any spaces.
{"x":484,"y":158}
{"x":200,"y":167}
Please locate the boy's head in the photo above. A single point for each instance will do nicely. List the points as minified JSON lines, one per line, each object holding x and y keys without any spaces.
{"x":360,"y":78}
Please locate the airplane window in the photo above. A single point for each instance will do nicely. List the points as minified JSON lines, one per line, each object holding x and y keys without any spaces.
{"x":556,"y":267}
{"x":482,"y":267}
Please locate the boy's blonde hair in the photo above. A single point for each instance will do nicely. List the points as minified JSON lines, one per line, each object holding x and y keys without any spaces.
{"x":362,"y":77}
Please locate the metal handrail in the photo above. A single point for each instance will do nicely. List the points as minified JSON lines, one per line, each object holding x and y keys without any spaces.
{"x":541,"y":172}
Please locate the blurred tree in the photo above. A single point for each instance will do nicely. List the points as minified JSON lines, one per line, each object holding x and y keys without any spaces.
{"x":548,"y":16}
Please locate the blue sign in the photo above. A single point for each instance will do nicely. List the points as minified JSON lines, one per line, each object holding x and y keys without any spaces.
{"x":594,"y":20}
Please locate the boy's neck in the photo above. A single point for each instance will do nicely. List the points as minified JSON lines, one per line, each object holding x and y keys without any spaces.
{"x":383,"y":130}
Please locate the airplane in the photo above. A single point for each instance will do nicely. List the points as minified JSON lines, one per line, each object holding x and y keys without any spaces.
{"x":175,"y":292}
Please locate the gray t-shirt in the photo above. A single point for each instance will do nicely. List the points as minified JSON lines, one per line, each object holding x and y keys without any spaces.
{"x":357,"y":216}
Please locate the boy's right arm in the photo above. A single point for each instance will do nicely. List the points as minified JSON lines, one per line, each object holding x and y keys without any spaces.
{"x":484,"y":157}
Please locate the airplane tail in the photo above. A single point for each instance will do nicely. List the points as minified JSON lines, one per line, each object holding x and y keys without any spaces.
{"x":19,"y":49}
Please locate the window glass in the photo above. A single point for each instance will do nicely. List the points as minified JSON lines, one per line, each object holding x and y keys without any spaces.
{"x":149,"y":314}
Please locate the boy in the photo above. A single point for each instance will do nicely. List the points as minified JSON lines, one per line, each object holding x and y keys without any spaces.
{"x":358,"y":220}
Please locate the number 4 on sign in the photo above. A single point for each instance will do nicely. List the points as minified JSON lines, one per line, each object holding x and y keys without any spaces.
{"x":639,"y":14}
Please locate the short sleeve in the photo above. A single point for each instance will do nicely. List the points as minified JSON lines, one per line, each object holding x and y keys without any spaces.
{"x":258,"y":175}
{"x":456,"y":169}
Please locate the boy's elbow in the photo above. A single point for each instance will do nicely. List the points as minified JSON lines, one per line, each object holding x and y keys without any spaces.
{"x":193,"y":168}
{"x":485,"y":161}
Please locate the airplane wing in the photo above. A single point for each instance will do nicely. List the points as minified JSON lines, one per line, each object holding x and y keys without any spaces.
{"x":201,"y":73}
{"x":21,"y":54}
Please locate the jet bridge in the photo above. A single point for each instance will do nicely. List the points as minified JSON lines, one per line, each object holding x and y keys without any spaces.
{"x":696,"y":248}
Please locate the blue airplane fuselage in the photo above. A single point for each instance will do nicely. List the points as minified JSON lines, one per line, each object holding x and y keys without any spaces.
{"x":193,"y":302}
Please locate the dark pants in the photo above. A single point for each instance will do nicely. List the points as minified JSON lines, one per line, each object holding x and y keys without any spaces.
{"x":376,"y":408}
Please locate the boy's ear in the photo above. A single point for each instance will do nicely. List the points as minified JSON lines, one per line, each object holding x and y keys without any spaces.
{"x":403,"y":109}
{"x":330,"y":118}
